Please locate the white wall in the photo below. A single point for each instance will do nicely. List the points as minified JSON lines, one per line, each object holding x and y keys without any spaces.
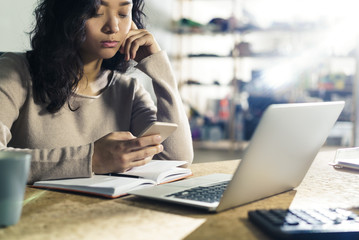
{"x":15,"y":20}
{"x":159,"y":22}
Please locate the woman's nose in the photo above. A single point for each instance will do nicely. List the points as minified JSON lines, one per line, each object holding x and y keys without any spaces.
{"x":111,"y":25}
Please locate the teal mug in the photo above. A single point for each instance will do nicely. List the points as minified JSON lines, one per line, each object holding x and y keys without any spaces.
{"x":14,"y":171}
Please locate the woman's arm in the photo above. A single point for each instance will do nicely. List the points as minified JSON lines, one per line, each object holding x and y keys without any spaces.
{"x":141,"y":46}
{"x":169,"y":107}
{"x":15,"y":93}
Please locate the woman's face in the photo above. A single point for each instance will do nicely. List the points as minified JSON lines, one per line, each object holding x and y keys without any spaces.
{"x":107,"y":29}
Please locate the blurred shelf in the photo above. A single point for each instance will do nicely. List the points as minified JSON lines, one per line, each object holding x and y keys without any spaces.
{"x":204,"y":31}
{"x":254,"y":56}
{"x":328,"y":92}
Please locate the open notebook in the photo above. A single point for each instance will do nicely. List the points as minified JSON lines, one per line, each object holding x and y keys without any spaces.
{"x":116,"y":185}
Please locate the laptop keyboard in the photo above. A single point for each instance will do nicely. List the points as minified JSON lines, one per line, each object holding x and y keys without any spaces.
{"x":208,"y":194}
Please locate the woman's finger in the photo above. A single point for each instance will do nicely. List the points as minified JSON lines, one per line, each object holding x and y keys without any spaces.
{"x":129,"y":34}
{"x":120,"y":136}
{"x":133,"y":42}
{"x":136,"y":43}
{"x":137,"y":158}
{"x":141,"y":142}
{"x":144,"y":153}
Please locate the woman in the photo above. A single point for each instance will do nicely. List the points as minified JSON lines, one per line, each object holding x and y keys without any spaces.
{"x":69,"y":103}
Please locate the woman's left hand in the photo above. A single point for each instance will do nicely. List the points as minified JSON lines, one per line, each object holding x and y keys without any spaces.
{"x":139,"y":44}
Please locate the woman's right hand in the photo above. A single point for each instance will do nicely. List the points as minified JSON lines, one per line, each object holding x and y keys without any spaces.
{"x":121,"y":151}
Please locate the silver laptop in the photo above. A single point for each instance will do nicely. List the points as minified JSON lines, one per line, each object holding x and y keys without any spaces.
{"x":279,"y":155}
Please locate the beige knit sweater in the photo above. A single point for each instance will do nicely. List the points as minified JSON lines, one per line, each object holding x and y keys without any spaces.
{"x":62,"y":144}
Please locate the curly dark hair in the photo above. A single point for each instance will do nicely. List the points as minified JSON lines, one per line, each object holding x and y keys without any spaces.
{"x":55,"y":63}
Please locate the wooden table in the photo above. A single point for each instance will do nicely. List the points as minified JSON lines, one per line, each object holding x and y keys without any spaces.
{"x":58,"y":215}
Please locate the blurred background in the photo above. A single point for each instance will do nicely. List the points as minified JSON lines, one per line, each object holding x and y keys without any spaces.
{"x":233,"y":58}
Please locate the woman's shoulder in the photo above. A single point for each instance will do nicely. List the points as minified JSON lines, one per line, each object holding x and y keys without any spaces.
{"x":13,"y":58}
{"x":14,"y":69}
{"x":13,"y":62}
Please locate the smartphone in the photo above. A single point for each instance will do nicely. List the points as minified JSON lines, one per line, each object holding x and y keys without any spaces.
{"x":161,"y":128}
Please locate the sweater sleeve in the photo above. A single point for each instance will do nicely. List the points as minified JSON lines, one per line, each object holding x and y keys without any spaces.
{"x":56,"y":163}
{"x":169,"y":107}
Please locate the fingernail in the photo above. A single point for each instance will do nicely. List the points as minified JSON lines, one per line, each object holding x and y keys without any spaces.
{"x":161,"y":147}
{"x":158,"y":138}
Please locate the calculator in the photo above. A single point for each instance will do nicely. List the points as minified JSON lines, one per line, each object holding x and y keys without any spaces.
{"x":329,"y":223}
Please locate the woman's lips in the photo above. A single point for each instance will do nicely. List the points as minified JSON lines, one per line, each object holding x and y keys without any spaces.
{"x":109,"y":44}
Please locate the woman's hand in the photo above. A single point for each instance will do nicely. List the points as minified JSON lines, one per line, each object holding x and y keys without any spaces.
{"x":139,"y":44}
{"x":121,"y":151}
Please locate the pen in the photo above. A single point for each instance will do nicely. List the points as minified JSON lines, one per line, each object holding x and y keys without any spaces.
{"x":121,"y":175}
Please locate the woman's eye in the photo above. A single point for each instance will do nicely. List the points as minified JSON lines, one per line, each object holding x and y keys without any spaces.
{"x":123,"y":15}
{"x":98,"y":14}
